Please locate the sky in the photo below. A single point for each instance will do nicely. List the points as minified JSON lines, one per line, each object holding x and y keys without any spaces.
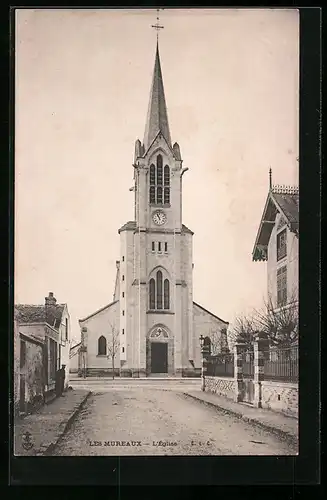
{"x":231,"y":79}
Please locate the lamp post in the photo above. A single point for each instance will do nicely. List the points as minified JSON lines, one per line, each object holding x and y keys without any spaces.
{"x":203,"y":362}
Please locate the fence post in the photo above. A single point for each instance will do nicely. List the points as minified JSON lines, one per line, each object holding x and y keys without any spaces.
{"x":238,"y":370}
{"x":260,"y":343}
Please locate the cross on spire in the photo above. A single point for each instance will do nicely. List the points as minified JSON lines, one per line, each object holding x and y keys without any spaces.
{"x":157,"y":26}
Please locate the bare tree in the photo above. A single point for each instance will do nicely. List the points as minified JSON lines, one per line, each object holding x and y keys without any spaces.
{"x":281,"y":325}
{"x":244,"y":329}
{"x":113,"y":346}
{"x":218,"y":340}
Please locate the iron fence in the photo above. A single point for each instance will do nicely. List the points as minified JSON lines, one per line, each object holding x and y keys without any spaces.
{"x":281,"y":364}
{"x":248,"y":364}
{"x":221,"y":365}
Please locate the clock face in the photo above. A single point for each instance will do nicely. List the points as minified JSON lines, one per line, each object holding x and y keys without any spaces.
{"x":159,"y":218}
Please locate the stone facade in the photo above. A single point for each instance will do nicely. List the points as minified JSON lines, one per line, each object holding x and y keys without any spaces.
{"x":281,"y":397}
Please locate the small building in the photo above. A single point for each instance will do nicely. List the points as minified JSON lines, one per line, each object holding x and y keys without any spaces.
{"x":277,"y":243}
{"x":48,"y":324}
{"x":74,"y":358}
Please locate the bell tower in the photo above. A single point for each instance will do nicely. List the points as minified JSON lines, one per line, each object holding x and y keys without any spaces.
{"x":156,"y":303}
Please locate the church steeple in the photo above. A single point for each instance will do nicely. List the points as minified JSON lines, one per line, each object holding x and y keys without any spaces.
{"x":157,"y":118}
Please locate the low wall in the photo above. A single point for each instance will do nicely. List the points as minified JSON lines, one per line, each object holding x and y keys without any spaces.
{"x":281,"y":397}
{"x":223,"y":386}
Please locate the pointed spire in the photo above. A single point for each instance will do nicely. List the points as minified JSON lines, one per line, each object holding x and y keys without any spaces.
{"x":270,"y":178}
{"x":157,"y":118}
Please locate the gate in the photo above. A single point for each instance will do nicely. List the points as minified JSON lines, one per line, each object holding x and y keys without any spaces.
{"x":248,"y":375}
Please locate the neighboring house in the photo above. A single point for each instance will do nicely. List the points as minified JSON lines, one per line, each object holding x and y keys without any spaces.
{"x":277,"y":243}
{"x":29,"y":371}
{"x":50,"y":324}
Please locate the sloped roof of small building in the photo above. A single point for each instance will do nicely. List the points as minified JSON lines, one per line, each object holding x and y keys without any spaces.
{"x":285,"y":201}
{"x":33,"y":313}
{"x":74,"y":349}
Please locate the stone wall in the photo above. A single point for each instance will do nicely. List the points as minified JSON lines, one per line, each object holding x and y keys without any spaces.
{"x":222,"y":386}
{"x":34,"y":375}
{"x":281,"y":397}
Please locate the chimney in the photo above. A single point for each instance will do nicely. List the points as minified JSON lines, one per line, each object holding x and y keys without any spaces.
{"x":50,"y":300}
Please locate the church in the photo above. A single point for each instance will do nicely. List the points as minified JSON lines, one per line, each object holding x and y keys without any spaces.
{"x":152,"y":326}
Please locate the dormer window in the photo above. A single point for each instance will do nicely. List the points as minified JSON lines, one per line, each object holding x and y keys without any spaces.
{"x":281,"y":245}
{"x":159,"y":183}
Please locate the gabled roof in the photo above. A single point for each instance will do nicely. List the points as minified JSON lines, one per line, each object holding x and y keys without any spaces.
{"x":186,"y":229}
{"x":211,"y":314}
{"x":157,"y":117}
{"x":98,"y":311}
{"x":285,"y":201}
{"x":31,"y":313}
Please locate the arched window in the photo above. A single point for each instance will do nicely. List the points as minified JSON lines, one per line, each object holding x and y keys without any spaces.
{"x":167,"y":185}
{"x":152,"y":175}
{"x":159,"y":290}
{"x":166,"y":176}
{"x":159,"y":191}
{"x":152,"y":296}
{"x":102,"y":346}
{"x":166,"y":294}
{"x":159,"y":195}
{"x":166,"y":195}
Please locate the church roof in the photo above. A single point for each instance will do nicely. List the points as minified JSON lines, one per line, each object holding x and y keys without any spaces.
{"x":98,"y":311}
{"x":285,"y":201}
{"x":157,"y":117}
{"x":211,"y":314}
{"x":31,"y":313}
{"x":131,"y":224}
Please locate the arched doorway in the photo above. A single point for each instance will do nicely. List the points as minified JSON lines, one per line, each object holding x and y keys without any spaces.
{"x":159,"y":352}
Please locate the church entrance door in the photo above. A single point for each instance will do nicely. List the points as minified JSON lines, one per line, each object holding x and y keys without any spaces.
{"x":159,"y":357}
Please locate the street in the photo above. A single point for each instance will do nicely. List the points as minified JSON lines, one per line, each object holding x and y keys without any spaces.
{"x":140,"y":419}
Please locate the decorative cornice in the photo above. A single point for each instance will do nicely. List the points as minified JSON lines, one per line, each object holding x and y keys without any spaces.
{"x":282,"y":189}
{"x":260,"y":254}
